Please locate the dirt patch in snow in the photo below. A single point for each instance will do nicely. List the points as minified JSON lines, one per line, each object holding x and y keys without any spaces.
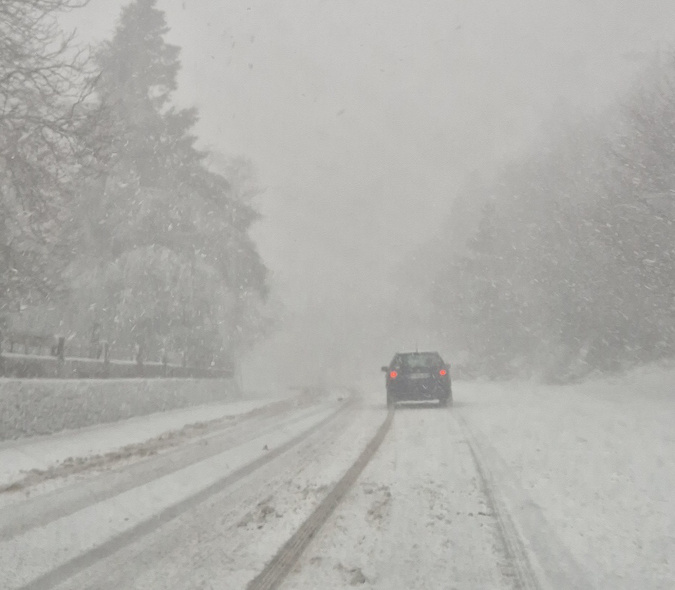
{"x":352,"y":575}
{"x":380,"y":504}
{"x":260,"y":515}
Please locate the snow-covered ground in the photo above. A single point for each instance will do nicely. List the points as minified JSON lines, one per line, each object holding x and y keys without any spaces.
{"x":588,"y":472}
{"x":518,"y":485}
{"x":415,"y":519}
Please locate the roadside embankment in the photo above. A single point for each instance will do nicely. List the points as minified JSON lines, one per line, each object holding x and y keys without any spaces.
{"x":31,"y":407}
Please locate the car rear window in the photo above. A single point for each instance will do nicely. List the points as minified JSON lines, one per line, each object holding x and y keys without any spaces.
{"x":420,"y":360}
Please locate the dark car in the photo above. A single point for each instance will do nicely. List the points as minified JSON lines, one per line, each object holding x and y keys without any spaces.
{"x":418,"y":376}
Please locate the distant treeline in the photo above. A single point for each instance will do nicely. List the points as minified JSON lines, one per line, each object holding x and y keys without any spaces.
{"x":571,"y":267}
{"x":110,"y":217}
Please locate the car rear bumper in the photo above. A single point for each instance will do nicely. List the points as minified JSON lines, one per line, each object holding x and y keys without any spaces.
{"x":418,"y":391}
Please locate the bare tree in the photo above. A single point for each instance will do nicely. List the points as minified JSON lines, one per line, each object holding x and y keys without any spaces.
{"x":43,"y":91}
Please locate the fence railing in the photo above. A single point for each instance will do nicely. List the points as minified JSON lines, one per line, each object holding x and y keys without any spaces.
{"x":51,"y":357}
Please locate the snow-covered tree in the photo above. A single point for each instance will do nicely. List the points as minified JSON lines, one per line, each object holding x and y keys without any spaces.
{"x":165,"y":249}
{"x":572,"y":269}
{"x":43,"y":88}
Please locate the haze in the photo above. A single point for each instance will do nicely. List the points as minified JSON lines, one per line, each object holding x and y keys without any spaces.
{"x":363,"y":119}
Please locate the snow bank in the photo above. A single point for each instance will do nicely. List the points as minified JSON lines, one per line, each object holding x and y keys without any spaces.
{"x":46,"y":406}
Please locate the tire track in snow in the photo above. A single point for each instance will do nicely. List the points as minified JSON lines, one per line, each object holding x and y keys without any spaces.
{"x":85,"y":560}
{"x":437,"y":530}
{"x":39,"y":511}
{"x":227,"y":540}
{"x":557,"y":566}
{"x":282,"y":563}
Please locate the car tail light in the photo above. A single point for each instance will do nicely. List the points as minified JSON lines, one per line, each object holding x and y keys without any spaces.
{"x":442,"y":372}
{"x":393,"y":375}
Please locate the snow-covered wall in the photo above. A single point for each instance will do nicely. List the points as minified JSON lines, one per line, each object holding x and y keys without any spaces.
{"x":30,"y":407}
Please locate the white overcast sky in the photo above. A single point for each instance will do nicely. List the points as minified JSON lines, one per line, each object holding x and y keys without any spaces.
{"x":363,"y":118}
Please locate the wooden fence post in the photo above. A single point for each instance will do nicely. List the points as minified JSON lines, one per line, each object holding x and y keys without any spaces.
{"x":139,"y":359}
{"x":106,"y":359}
{"x":61,"y":356}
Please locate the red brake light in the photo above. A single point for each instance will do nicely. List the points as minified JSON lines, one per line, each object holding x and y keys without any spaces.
{"x":393,"y":375}
{"x":442,"y":372}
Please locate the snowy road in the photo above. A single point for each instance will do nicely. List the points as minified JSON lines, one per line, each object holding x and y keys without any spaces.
{"x":516,"y":487}
{"x":417,"y":518}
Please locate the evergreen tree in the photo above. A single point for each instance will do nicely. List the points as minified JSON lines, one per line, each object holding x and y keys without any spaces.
{"x":171,"y":263}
